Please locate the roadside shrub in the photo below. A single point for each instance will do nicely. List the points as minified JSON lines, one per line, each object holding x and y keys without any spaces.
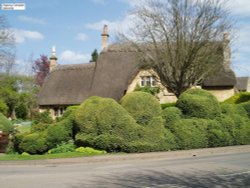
{"x":238,"y":98}
{"x":233,"y":109}
{"x":246,"y":106}
{"x":104,"y":124}
{"x":68,"y":112}
{"x":171,"y":115}
{"x":198,"y":103}
{"x":242,"y":134}
{"x":190,"y":133}
{"x":33,"y":143}
{"x":89,"y":150}
{"x":142,"y":106}
{"x":64,"y":147}
{"x":3,"y":107}
{"x":167,"y":105}
{"x":5,"y":124}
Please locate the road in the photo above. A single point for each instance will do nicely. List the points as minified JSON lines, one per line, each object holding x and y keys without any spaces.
{"x":193,"y":169}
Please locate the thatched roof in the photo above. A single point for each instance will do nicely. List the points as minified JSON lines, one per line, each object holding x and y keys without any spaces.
{"x":109,"y":77}
{"x":243,"y":83}
{"x":72,"y":84}
{"x":223,"y":78}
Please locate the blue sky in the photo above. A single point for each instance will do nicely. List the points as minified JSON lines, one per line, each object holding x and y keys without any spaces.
{"x":74,"y":27}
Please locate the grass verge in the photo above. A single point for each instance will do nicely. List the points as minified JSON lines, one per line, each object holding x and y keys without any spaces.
{"x":16,"y":157}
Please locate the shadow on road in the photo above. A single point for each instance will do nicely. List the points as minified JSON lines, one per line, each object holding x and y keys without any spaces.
{"x":156,"y":179}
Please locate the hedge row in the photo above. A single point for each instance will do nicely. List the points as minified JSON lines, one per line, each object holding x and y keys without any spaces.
{"x":139,"y":125}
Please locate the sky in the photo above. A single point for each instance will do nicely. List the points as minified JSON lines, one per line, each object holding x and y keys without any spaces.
{"x":75,"y":26}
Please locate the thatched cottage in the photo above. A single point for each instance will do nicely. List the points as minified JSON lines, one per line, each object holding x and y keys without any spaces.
{"x":115,"y":73}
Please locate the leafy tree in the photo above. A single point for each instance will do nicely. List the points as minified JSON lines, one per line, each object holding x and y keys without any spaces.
{"x":94,"y":56}
{"x":179,"y":39}
{"x":41,"y":69}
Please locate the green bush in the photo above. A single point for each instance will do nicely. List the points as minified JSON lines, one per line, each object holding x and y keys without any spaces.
{"x":198,"y":103}
{"x":21,"y":111}
{"x":246,"y":106}
{"x":242,"y":134}
{"x":238,"y":98}
{"x":3,"y":107}
{"x":142,"y":106}
{"x":233,"y":109}
{"x":43,"y":117}
{"x":89,"y":150}
{"x":104,"y":124}
{"x":167,"y":105}
{"x":148,"y":89}
{"x":33,"y":143}
{"x":5,"y":124}
{"x":171,"y":115}
{"x":63,"y":147}
{"x":39,"y":127}
{"x":190,"y":133}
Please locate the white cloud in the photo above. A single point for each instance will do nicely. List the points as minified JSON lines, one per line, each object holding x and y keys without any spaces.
{"x":239,"y":7}
{"x":71,"y":57}
{"x":81,"y":36}
{"x":32,"y":20}
{"x":23,"y":35}
{"x":113,"y":26}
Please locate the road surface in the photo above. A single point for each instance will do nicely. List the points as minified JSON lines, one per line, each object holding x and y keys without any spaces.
{"x":195,"y":168}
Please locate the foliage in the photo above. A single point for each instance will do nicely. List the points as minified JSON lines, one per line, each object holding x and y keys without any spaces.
{"x":190,"y":133}
{"x":148,"y":89}
{"x":166,"y":105}
{"x":94,"y":56}
{"x":5,"y":124}
{"x":171,"y":115}
{"x":89,"y":150}
{"x":198,"y":103}
{"x":63,"y":147}
{"x":41,"y":69}
{"x":21,"y":111}
{"x":246,"y":106}
{"x":142,"y":106}
{"x":3,"y":107}
{"x":101,"y":121}
{"x":238,"y":98}
{"x":42,"y":117}
{"x":33,"y":143}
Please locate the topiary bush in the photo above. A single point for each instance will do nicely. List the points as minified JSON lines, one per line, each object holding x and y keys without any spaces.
{"x":104,"y":124}
{"x":5,"y":124}
{"x":238,"y":98}
{"x":33,"y":143}
{"x":190,"y":133}
{"x":171,"y":115}
{"x":142,"y":106}
{"x":198,"y":103}
{"x":246,"y":106}
{"x":167,"y":105}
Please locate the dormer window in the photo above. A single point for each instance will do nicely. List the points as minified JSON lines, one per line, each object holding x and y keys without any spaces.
{"x":148,"y":81}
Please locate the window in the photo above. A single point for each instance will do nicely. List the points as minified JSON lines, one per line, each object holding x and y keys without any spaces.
{"x":148,"y":81}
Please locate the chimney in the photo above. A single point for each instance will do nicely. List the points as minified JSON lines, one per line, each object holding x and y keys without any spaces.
{"x":105,"y":37}
{"x":53,"y":59}
{"x":226,"y":51}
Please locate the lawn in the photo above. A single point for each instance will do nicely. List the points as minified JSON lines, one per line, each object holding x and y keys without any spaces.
{"x":16,"y":157}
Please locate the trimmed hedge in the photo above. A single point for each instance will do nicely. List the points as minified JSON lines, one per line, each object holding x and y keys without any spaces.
{"x":190,"y":133}
{"x":142,"y":106}
{"x":33,"y":143}
{"x":246,"y":106}
{"x":171,"y":115}
{"x":238,"y":98}
{"x":104,"y":124}
{"x":5,"y":124}
{"x":198,"y":103}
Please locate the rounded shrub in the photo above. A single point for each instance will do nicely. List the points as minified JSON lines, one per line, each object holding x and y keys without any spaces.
{"x":198,"y":103}
{"x":104,"y":124}
{"x":3,"y":107}
{"x":142,"y":106}
{"x":171,"y":115}
{"x":190,"y":133}
{"x":246,"y":106}
{"x":238,"y":98}
{"x":5,"y":124}
{"x":33,"y":143}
